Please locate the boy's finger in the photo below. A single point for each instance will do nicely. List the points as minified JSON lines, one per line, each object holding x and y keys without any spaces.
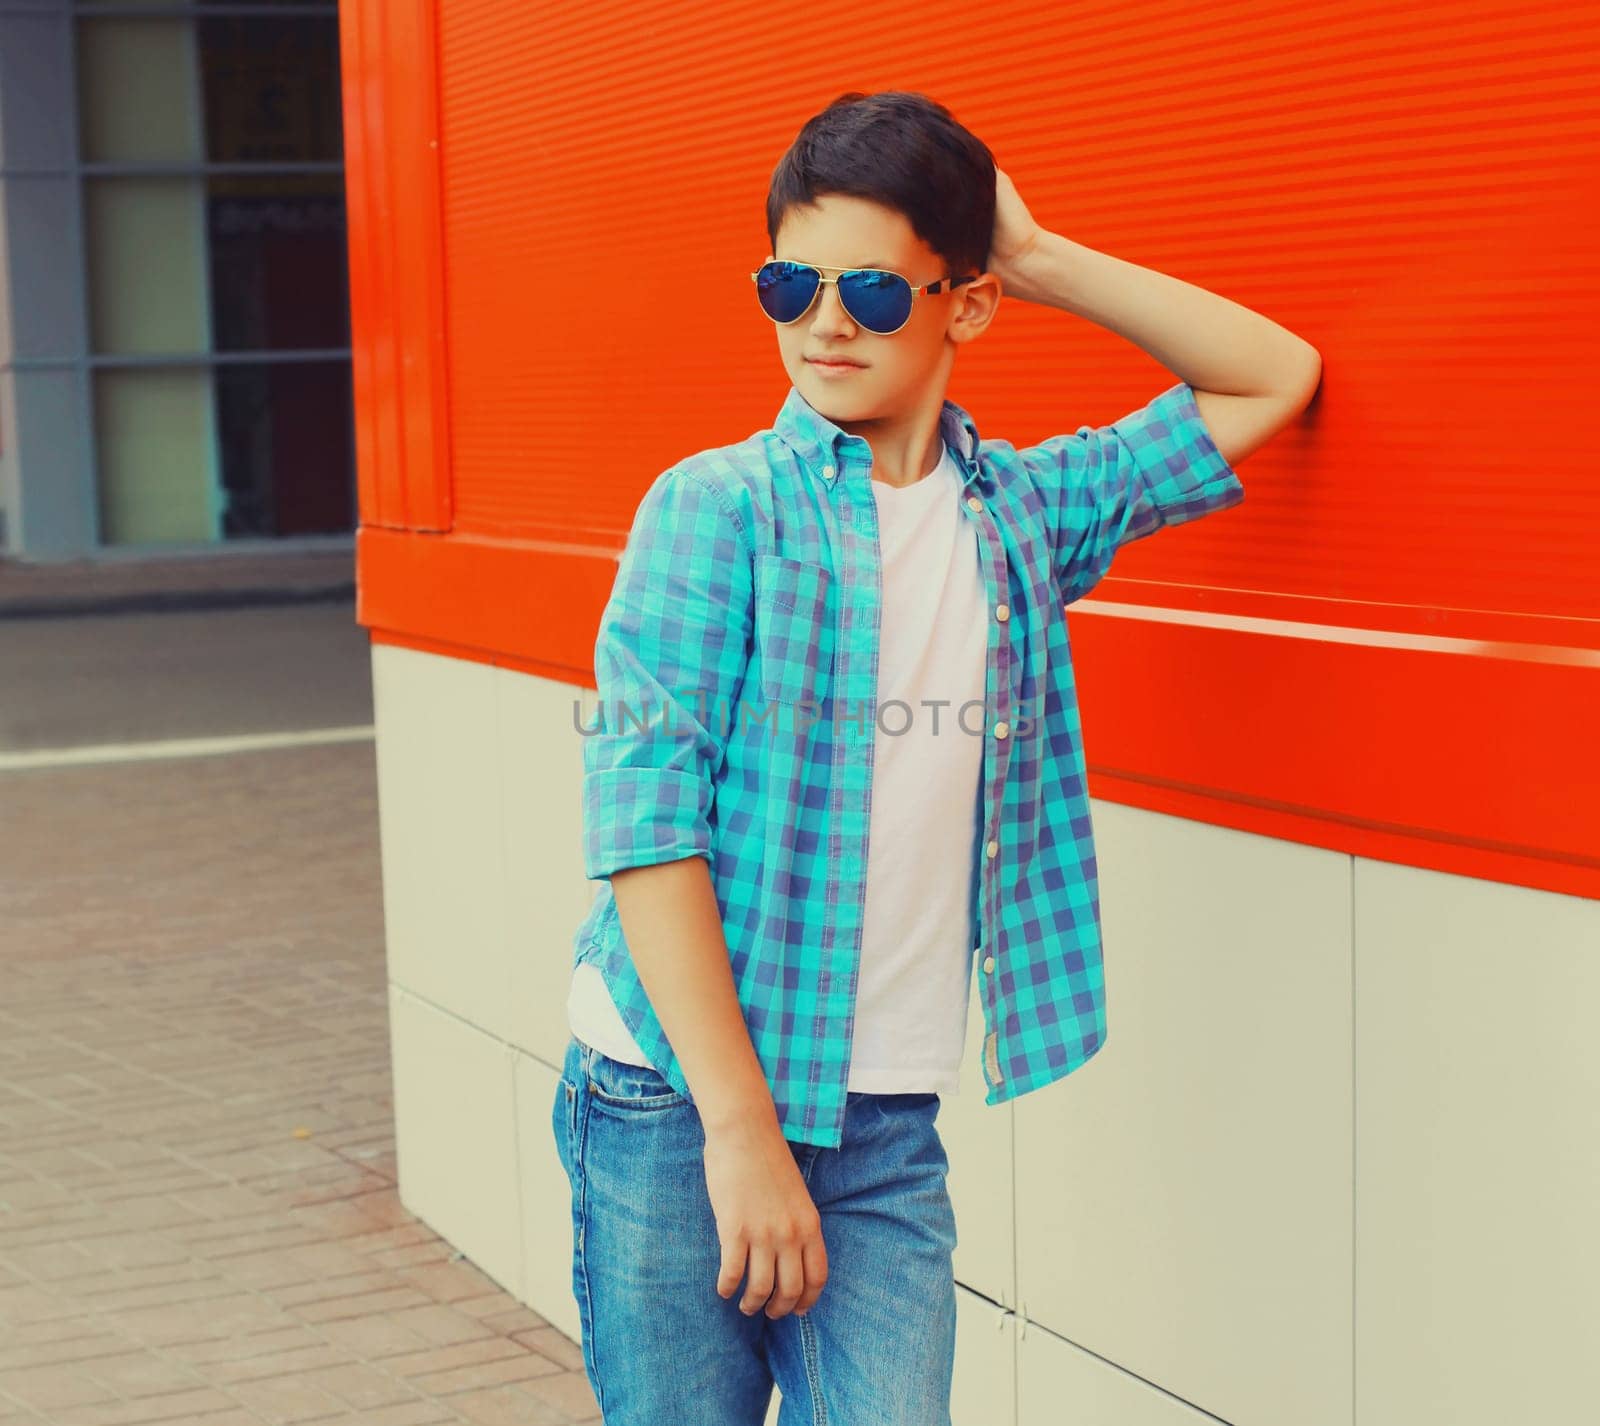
{"x":791,"y":1282}
{"x":758,"y":1286}
{"x":815,"y":1255}
{"x":734,"y":1252}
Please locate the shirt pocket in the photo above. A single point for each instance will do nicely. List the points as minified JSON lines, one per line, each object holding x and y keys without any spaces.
{"x":794,"y":618}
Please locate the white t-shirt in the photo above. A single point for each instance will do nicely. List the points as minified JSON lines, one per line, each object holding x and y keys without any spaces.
{"x":916,"y":963}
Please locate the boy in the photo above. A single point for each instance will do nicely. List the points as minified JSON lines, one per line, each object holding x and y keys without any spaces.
{"x":765,"y":1012}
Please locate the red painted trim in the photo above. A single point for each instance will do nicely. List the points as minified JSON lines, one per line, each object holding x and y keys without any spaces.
{"x":1498,"y":778}
{"x":1465,"y":761}
{"x":389,"y":60}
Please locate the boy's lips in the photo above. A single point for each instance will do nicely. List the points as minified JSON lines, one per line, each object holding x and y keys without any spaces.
{"x":834,"y":361}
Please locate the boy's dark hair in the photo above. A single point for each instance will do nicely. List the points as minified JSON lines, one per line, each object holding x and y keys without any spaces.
{"x":901,"y":149}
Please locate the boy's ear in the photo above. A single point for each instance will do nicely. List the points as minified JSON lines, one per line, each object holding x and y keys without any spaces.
{"x":981,"y":300}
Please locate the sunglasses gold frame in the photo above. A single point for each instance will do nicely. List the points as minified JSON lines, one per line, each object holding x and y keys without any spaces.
{"x":947,"y":283}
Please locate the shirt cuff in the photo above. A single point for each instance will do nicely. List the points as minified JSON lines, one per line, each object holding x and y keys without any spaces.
{"x":641,"y":816}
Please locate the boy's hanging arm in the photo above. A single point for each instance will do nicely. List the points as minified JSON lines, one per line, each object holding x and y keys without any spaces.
{"x":1251,"y":377}
{"x":673,"y":641}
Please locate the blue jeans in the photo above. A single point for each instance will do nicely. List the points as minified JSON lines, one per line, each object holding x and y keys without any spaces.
{"x":662,"y":1348}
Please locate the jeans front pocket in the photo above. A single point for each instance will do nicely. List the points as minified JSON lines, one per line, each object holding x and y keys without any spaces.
{"x":635,"y":1088}
{"x":794,"y":634}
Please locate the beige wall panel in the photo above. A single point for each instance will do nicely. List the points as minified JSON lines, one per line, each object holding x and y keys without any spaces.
{"x":983,"y":1392}
{"x":456,"y":1134}
{"x":1184,"y":1199}
{"x":1059,"y":1384}
{"x":439,"y":804}
{"x":1477,"y":1152}
{"x":546,"y":895}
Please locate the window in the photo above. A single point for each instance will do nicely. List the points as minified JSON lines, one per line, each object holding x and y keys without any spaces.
{"x":211,"y":158}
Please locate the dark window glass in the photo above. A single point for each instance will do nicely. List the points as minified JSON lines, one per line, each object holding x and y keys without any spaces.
{"x":271,"y":86}
{"x":278,"y":255}
{"x":287,"y":436}
{"x":279,"y":264}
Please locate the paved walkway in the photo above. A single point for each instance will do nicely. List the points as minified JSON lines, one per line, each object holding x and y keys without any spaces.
{"x":198,"y":1214}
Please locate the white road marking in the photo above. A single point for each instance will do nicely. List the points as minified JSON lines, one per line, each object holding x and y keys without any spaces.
{"x":181,"y":748}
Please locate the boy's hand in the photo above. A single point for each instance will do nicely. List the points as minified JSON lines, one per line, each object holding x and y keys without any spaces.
{"x":1015,"y":232}
{"x":765,"y":1219}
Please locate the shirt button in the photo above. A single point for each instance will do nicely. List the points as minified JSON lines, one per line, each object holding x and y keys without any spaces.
{"x":1000,"y":730}
{"x":827,"y":471}
{"x":1002,"y":612}
{"x":988,"y":964}
{"x":973,"y":503}
{"x":993,"y":849}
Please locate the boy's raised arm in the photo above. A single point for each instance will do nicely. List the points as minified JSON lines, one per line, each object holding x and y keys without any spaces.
{"x":1242,"y":379}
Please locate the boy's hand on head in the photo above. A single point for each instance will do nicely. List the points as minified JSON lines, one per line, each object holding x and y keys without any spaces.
{"x":766,"y":1220}
{"x":1016,"y":234}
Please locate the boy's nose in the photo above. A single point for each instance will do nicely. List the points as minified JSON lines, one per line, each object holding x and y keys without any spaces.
{"x":829,"y":308}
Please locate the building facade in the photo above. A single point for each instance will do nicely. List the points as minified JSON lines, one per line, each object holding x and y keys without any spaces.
{"x":1336,"y":1163}
{"x":174,"y":304}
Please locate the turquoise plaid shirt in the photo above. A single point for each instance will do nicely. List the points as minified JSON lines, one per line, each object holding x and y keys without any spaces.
{"x":736,"y":668}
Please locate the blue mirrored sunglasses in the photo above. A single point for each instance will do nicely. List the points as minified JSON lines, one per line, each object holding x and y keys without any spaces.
{"x":879,"y":301}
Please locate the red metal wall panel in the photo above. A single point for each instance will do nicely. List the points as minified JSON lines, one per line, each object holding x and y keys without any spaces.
{"x":1393,"y":646}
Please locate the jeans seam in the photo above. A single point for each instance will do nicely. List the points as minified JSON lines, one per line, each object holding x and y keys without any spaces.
{"x":808,"y":1351}
{"x":586,"y":1305}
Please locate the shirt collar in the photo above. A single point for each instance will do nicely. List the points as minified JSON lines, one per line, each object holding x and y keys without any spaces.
{"x":824,"y":449}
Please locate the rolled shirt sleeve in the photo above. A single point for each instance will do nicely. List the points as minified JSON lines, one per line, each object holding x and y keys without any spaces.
{"x":669,"y":661}
{"x":1105,"y":486}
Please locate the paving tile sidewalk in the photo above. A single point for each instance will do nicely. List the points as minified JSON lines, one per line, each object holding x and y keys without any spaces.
{"x":116,"y":584}
{"x":199,"y":1222}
